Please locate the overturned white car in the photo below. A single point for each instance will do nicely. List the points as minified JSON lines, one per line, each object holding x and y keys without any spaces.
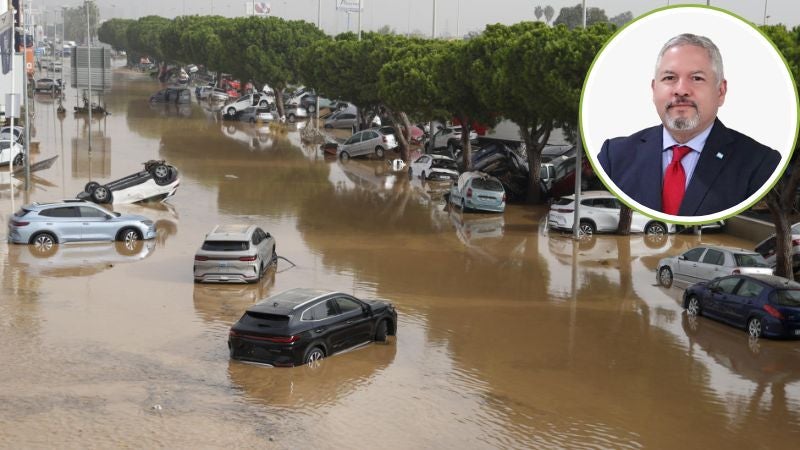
{"x":157,"y":182}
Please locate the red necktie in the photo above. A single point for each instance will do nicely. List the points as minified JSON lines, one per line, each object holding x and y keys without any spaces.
{"x":674,"y":181}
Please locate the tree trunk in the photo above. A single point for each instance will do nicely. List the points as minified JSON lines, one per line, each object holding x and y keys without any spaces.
{"x":534,"y":143}
{"x":783,"y":246}
{"x":399,"y":134}
{"x":279,"y":101}
{"x":625,"y":218}
{"x":466,"y":147}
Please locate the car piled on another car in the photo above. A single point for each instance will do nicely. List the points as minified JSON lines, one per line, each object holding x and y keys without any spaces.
{"x":234,"y":254}
{"x":434,"y":167}
{"x":157,"y":182}
{"x":763,"y":305}
{"x":707,"y":262}
{"x":302,"y":326}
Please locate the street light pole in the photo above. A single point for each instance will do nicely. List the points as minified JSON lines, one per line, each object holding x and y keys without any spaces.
{"x":360,"y":7}
{"x":765,"y":12}
{"x":576,"y":229}
{"x":89,"y":73}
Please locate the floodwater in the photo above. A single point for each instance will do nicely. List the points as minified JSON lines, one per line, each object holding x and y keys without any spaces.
{"x":509,"y":336}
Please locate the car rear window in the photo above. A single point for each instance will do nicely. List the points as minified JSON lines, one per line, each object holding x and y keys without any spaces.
{"x":21,"y":212}
{"x":225,"y":246}
{"x":264,"y":320}
{"x":787,"y":297}
{"x":749,"y":260}
{"x":487,"y":184}
{"x":444,"y":164}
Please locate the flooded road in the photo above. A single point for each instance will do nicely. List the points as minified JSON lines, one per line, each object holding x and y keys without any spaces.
{"x":509,"y":336}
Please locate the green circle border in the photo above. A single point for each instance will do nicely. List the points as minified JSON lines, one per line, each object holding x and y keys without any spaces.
{"x":796,"y":99}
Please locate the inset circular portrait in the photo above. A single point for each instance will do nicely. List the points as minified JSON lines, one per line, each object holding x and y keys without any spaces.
{"x":689,"y":114}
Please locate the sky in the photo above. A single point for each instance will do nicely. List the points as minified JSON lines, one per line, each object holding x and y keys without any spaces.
{"x":453,"y":17}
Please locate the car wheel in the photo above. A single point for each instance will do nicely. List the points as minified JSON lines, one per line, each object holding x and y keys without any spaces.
{"x":129,"y":236}
{"x":424,"y":176}
{"x":19,"y":159}
{"x":586,"y":228}
{"x":290,"y":118}
{"x":693,"y":306}
{"x":231,"y":111}
{"x":665,"y":276}
{"x":43,"y":244}
{"x":328,"y":126}
{"x":379,"y":152}
{"x":160,"y":172}
{"x":754,"y":327}
{"x":314,"y":357}
{"x":655,"y":228}
{"x":101,"y":194}
{"x":381,"y":331}
{"x":252,"y":120}
{"x":90,"y":187}
{"x":344,"y":156}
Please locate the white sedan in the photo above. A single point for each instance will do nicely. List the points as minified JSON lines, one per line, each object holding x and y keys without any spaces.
{"x":15,"y":154}
{"x":157,"y":182}
{"x":434,"y":167}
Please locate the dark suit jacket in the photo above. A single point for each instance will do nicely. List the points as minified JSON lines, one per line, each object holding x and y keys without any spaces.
{"x":633,"y":163}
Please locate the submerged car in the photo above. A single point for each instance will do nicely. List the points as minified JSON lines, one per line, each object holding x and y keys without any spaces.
{"x":599,"y":212}
{"x":763,"y":305}
{"x":302,"y":326}
{"x":768,"y":246}
{"x":47,"y":224}
{"x":253,"y":114}
{"x":478,"y":191}
{"x":366,"y":142}
{"x":234,"y":254}
{"x":157,"y":182}
{"x":707,"y":262}
{"x":434,"y":167}
{"x":172,"y":95}
{"x":14,"y":153}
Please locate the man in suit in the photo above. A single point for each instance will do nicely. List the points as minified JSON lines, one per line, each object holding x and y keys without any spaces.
{"x":691,"y":165}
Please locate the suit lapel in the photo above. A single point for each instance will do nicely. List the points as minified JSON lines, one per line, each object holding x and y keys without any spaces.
{"x":712,"y":159}
{"x":649,"y":152}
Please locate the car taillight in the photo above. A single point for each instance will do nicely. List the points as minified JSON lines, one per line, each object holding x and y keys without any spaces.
{"x":773,"y":312}
{"x":19,"y":223}
{"x":247,"y":258}
{"x":200,"y":258}
{"x":384,"y":140}
{"x":281,"y":339}
{"x":504,"y":197}
{"x":469,"y":192}
{"x":795,"y":242}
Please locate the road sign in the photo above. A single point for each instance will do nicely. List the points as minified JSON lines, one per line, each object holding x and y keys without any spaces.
{"x":349,"y":5}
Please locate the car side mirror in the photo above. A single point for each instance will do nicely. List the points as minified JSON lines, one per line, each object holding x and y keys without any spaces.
{"x":366,"y":309}
{"x":109,"y":217}
{"x":681,"y":258}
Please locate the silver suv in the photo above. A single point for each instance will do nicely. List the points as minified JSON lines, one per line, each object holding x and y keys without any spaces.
{"x":234,"y":254}
{"x":47,"y":224}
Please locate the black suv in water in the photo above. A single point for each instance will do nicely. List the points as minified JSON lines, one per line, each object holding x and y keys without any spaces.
{"x":302,"y":326}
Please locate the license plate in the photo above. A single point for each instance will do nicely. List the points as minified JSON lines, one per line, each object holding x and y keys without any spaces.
{"x":222,"y":265}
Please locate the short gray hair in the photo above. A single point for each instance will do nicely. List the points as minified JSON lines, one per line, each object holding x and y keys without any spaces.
{"x":698,"y":41}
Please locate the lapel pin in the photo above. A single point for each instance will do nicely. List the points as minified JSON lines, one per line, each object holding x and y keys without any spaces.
{"x":719,"y":155}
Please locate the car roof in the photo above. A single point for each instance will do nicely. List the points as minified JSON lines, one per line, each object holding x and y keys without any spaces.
{"x":288,"y":301}
{"x":773,"y":280}
{"x":591,"y":194}
{"x":231,"y":232}
{"x":70,"y":201}
{"x":728,"y":249}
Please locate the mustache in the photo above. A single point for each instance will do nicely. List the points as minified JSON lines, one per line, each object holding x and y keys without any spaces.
{"x":680,"y":102}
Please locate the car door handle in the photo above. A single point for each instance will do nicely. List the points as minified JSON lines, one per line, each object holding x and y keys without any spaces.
{"x":320,"y":330}
{"x":349,"y":322}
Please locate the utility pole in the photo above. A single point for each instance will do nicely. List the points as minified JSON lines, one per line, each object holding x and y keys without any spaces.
{"x":576,"y":228}
{"x":360,"y":7}
{"x":319,"y":27}
{"x":89,"y":73}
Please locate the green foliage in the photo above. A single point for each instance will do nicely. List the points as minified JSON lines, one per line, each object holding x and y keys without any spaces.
{"x":114,"y":32}
{"x":75,"y":22}
{"x":572,"y":17}
{"x":144,"y":36}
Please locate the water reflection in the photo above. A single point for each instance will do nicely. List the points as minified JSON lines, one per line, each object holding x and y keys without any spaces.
{"x":225,"y":303}
{"x":74,"y":260}
{"x":308,"y":388}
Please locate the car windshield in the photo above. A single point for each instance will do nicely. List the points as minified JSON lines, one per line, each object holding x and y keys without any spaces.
{"x":444,"y":164}
{"x":225,"y":246}
{"x":787,"y":297}
{"x":750,"y":260}
{"x":487,"y":184}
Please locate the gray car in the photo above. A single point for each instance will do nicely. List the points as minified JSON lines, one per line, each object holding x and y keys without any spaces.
{"x":366,"y":142}
{"x":47,"y":224}
{"x":341,"y":119}
{"x":707,"y":262}
{"x":234,"y":254}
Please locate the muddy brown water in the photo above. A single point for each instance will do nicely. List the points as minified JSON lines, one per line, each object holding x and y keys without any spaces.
{"x":509,"y":336}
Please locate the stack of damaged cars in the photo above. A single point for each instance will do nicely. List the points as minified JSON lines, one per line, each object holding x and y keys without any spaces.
{"x":157,"y":182}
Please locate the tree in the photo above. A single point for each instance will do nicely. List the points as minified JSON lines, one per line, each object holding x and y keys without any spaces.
{"x":548,"y":13}
{"x":781,"y":200}
{"x":621,"y":19}
{"x":532,"y":74}
{"x":538,"y":11}
{"x":75,"y":22}
{"x":573,"y":17}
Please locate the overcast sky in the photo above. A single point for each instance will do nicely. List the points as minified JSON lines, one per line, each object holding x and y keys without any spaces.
{"x":452,"y":17}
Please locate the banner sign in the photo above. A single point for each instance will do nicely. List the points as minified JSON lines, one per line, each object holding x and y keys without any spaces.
{"x":6,"y":36}
{"x":349,"y":5}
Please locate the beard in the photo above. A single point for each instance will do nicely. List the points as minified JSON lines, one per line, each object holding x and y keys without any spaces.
{"x":681,"y":123}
